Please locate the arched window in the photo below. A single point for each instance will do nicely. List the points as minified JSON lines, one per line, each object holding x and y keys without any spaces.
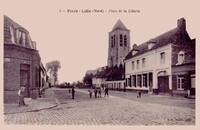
{"x":121,"y":40}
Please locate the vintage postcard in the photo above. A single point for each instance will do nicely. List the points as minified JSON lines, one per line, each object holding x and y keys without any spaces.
{"x":99,"y":64}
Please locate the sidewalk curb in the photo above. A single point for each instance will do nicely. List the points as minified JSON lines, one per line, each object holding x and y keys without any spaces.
{"x":36,"y":110}
{"x":55,"y":104}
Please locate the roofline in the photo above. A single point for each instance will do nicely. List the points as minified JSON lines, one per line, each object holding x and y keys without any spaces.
{"x":147,"y":52}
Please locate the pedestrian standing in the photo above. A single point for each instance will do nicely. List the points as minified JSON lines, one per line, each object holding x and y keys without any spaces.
{"x":99,"y":92}
{"x":90,"y":92}
{"x":139,"y":94}
{"x":73,"y":92}
{"x":21,"y":94}
{"x":106,"y":92}
{"x":95,"y":92}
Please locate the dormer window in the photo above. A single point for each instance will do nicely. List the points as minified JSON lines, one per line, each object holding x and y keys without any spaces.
{"x":134,"y":52}
{"x":150,"y":45}
{"x":181,"y":57}
{"x":12,"y":34}
{"x":23,"y":39}
{"x":18,"y":36}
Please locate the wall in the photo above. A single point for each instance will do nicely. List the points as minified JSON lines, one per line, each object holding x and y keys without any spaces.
{"x":15,"y":55}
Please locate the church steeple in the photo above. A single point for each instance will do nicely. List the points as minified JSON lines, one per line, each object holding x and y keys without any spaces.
{"x":119,"y":44}
{"x":119,"y":25}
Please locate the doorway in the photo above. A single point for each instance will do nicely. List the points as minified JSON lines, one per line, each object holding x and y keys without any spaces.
{"x":163,"y":84}
{"x":24,"y":79}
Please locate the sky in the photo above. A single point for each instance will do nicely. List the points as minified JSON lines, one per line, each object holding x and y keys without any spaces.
{"x":80,"y":40}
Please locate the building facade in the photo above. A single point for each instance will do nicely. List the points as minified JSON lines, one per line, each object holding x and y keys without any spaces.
{"x":22,"y":62}
{"x":164,"y":64}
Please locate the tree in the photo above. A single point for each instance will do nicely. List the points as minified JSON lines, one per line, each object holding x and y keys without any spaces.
{"x":87,"y":79}
{"x":52,"y":67}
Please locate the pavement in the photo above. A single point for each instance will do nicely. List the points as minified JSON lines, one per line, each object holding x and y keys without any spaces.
{"x":58,"y":108}
{"x":51,"y":100}
{"x":46,"y":102}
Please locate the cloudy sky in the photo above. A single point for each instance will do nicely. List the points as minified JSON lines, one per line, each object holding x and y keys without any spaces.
{"x":80,"y":40}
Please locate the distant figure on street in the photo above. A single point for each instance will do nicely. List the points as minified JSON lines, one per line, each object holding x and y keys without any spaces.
{"x":124,"y":89}
{"x":95,"y":92}
{"x":73,"y":92}
{"x":106,"y":92}
{"x":21,"y":94}
{"x":99,"y":92}
{"x":139,"y":94}
{"x":90,"y":92}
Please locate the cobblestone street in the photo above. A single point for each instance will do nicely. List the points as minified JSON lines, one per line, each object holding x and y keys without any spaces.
{"x":112,"y":110}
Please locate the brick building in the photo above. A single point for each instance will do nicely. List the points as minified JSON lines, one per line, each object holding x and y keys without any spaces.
{"x":22,"y":62}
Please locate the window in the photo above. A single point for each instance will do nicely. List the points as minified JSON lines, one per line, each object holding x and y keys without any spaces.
{"x":180,"y":82}
{"x":138,"y":64}
{"x":134,"y":80}
{"x":18,"y":36}
{"x":133,"y":65}
{"x":144,"y":79}
{"x":143,"y":63}
{"x":121,"y":40}
{"x":12,"y":34}
{"x":129,"y":82}
{"x":181,"y":57}
{"x":111,"y":41}
{"x":23,"y":39}
{"x":125,"y":40}
{"x":119,"y":85}
{"x":162,"y":58}
{"x":139,"y":80}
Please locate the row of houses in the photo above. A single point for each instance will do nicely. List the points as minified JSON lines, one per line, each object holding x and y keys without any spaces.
{"x":22,"y":63}
{"x":164,"y":64}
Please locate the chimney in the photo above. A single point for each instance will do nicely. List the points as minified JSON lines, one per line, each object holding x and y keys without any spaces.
{"x":181,"y":23}
{"x":134,"y":47}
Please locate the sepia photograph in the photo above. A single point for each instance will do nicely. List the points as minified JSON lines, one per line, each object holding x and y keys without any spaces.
{"x":99,"y":63}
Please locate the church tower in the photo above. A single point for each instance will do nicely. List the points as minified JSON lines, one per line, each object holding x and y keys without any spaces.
{"x":119,"y":44}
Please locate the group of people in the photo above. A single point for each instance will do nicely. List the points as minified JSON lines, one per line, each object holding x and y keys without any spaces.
{"x":97,"y":92}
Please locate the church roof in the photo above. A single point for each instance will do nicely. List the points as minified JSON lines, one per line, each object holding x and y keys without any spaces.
{"x":119,"y":25}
